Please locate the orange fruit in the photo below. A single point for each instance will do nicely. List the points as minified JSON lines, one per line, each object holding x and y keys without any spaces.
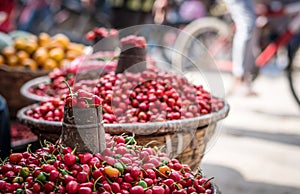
{"x":30,"y":64}
{"x":12,"y":60}
{"x":44,"y":39}
{"x":57,"y":54}
{"x":22,"y":55}
{"x":165,"y":170}
{"x":61,"y":39}
{"x":52,"y":44}
{"x":50,"y":64}
{"x":30,"y":46}
{"x":1,"y":60}
{"x":8,"y":51}
{"x":78,"y":48}
{"x":111,"y":172}
{"x":41,"y":55}
{"x":71,"y":55}
{"x":20,"y":43}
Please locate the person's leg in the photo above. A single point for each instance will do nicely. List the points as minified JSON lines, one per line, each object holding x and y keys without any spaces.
{"x":243,"y":60}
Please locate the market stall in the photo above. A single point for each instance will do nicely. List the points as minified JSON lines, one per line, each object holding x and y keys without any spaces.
{"x":112,"y":121}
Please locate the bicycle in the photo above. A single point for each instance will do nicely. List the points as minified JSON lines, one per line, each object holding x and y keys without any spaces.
{"x":216,"y":35}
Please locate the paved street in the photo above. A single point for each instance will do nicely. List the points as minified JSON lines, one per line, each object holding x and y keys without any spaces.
{"x":258,"y":149}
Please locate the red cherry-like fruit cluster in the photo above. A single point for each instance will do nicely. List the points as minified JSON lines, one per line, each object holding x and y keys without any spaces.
{"x":100,"y":32}
{"x":134,"y":41}
{"x":52,"y":110}
{"x":150,"y":96}
{"x":122,"y":168}
{"x":83,"y":99}
{"x":56,"y":87}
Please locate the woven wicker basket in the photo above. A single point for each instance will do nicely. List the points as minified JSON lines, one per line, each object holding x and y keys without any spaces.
{"x":184,"y":139}
{"x":11,"y":81}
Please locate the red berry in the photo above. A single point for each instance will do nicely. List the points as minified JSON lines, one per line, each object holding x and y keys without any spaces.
{"x":84,"y":190}
{"x":137,"y":190}
{"x":158,"y":190}
{"x":72,"y":187}
{"x":69,"y":159}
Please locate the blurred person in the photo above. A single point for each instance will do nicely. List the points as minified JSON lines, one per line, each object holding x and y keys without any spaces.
{"x":7,"y":12}
{"x":100,"y":10}
{"x":179,"y":12}
{"x":35,"y":16}
{"x":244,"y":45}
{"x":75,"y":18}
{"x":135,"y":12}
{"x":5,"y":144}
{"x":160,"y":11}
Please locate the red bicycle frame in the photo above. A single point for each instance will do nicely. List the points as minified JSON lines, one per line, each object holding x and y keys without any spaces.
{"x":283,"y":39}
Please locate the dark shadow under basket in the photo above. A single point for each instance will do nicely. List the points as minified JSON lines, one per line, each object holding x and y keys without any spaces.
{"x":11,"y":82}
{"x":184,"y":139}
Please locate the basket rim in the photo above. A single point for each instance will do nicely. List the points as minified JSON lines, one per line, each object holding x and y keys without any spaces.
{"x":118,"y":128}
{"x":25,"y":89}
{"x":7,"y":68}
{"x":215,"y":188}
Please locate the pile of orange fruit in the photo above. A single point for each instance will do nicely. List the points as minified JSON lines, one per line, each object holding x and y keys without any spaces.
{"x":41,"y":52}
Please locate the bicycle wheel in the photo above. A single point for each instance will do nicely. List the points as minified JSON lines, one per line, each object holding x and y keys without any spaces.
{"x":213,"y":34}
{"x":294,"y":75}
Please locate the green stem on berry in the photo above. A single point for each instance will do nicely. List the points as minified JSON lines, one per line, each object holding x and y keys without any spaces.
{"x":64,"y":171}
{"x":177,"y":186}
{"x":108,"y":180}
{"x":69,"y":87}
{"x":95,"y":183}
{"x":208,"y":180}
{"x":29,"y":150}
{"x":75,"y":148}
{"x":3,"y":161}
{"x":25,"y":184}
{"x":4,"y":179}
{"x":199,"y":171}
{"x":39,"y":182}
{"x":44,"y":161}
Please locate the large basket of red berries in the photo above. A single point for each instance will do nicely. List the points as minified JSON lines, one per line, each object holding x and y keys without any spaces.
{"x":159,"y":107}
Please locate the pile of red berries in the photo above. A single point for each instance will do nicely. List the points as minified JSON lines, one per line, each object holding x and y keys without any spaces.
{"x":150,"y":96}
{"x":98,"y":33}
{"x":52,"y":110}
{"x":83,"y":99}
{"x":135,"y":41}
{"x":122,"y":168}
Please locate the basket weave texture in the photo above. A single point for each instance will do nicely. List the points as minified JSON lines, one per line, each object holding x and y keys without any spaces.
{"x":11,"y":82}
{"x":184,"y":139}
